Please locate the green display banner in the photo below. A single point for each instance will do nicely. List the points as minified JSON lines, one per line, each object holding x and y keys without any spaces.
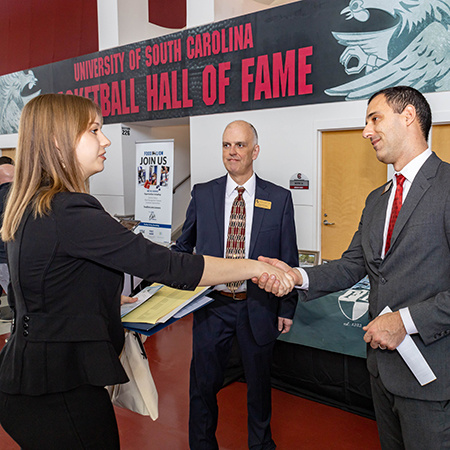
{"x":333,"y":322}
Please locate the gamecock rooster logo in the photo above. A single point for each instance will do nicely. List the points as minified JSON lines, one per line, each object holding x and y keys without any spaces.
{"x":13,"y":98}
{"x":415,"y":52}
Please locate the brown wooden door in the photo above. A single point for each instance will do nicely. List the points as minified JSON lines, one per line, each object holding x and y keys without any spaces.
{"x":440,"y":141}
{"x":350,"y":170}
{"x":11,"y":152}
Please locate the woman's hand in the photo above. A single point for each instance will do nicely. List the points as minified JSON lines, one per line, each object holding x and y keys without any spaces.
{"x":124,"y":299}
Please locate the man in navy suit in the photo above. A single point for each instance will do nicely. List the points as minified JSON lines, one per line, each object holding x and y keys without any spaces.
{"x":250,"y":314}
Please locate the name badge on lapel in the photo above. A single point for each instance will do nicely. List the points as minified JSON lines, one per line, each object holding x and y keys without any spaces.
{"x":265,"y":204}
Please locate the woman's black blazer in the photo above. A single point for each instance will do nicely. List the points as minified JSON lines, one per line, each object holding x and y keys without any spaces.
{"x":66,"y":276}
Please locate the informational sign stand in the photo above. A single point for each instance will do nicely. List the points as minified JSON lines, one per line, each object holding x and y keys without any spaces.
{"x":154,"y":188}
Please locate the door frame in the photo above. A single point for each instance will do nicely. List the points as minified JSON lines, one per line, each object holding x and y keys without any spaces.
{"x":351,"y":123}
{"x":321,"y":126}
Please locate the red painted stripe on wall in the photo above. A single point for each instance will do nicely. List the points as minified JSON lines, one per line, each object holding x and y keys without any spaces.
{"x":38,"y":32}
{"x":167,"y":13}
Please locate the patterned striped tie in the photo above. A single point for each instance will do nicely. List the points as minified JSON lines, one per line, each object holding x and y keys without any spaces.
{"x":236,"y":234}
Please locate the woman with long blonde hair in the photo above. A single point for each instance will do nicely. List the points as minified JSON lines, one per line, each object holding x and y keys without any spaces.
{"x":67,"y":257}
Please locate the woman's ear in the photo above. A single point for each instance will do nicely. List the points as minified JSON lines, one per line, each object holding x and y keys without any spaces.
{"x":59,"y":153}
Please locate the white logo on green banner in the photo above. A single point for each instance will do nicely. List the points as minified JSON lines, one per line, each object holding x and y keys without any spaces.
{"x":354,"y":303}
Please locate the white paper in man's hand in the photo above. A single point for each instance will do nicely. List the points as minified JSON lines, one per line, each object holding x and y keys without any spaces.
{"x":413,"y":358}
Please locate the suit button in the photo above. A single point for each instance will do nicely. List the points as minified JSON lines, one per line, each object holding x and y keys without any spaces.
{"x":25,"y":325}
{"x":25,"y":333}
{"x":26,"y":318}
{"x":184,"y":286}
{"x":383,"y":280}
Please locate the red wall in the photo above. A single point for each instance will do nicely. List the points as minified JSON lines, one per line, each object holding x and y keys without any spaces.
{"x":167,"y":13}
{"x":38,"y":32}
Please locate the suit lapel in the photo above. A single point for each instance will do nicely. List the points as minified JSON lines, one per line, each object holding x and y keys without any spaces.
{"x":418,"y":189}
{"x":219,"y":208}
{"x":258,"y":213}
{"x":378,"y":221}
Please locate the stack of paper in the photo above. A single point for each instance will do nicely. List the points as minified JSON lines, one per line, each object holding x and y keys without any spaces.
{"x":142,"y":297}
{"x":165,"y":303}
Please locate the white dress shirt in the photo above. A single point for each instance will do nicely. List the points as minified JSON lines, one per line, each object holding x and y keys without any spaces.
{"x":409,"y":172}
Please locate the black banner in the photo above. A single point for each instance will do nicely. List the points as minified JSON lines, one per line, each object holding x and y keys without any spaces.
{"x":312,"y":51}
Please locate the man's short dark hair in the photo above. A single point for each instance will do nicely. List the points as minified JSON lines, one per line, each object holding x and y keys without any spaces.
{"x":6,"y":160}
{"x":399,"y":97}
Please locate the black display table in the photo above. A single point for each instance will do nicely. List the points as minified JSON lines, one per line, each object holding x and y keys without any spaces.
{"x":334,"y":379}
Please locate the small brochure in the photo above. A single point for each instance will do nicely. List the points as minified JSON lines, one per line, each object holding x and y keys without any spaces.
{"x":164,"y":303}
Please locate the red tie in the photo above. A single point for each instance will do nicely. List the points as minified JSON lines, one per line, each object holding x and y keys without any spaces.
{"x":236,"y":234}
{"x":396,"y":206}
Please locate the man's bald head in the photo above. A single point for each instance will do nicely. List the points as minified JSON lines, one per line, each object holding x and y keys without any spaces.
{"x":239,"y":149}
{"x":6,"y":173}
{"x":244,"y":125}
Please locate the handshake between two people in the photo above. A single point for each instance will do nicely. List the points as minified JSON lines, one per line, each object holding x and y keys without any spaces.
{"x":280,"y":283}
{"x":270,"y":274}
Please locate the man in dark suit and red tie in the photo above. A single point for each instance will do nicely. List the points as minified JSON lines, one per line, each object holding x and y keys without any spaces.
{"x":403,"y":245}
{"x":234,"y":216}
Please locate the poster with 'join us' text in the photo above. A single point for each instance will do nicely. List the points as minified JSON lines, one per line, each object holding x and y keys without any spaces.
{"x":154,"y":185}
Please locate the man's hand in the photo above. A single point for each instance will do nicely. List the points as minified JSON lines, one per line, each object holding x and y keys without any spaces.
{"x":284,"y":325}
{"x":270,"y":283}
{"x":385,"y":332}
